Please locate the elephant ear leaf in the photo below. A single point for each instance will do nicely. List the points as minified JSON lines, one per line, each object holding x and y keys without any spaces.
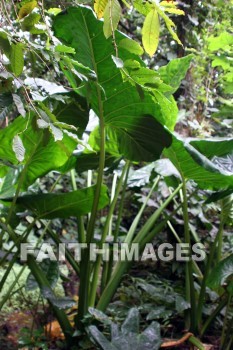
{"x":199,"y":166}
{"x":63,"y":205}
{"x":134,"y":122}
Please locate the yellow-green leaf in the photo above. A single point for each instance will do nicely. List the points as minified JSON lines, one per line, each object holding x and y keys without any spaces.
{"x":112,"y":14}
{"x":142,"y":7}
{"x":167,"y":4}
{"x":175,"y":11}
{"x":99,"y":7}
{"x":27,"y":8}
{"x":54,"y":11}
{"x":150,"y":32}
{"x":131,"y":46}
{"x":169,"y":23}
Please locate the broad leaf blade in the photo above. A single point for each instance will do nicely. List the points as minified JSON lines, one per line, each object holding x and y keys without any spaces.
{"x":63,"y":205}
{"x":193,"y":165}
{"x":42,"y":153}
{"x":124,"y":108}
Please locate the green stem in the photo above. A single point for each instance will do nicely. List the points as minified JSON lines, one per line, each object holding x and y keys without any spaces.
{"x":17,"y":240}
{"x":85,"y":268}
{"x":220,"y":235}
{"x":69,"y":256}
{"x":7,"y":295}
{"x":195,"y":266}
{"x":122,"y":266}
{"x":104,"y":235}
{"x":134,"y":225}
{"x":81,"y":229}
{"x":117,"y":228}
{"x":190,"y":315}
{"x":151,"y":221}
{"x":209,"y":263}
{"x":210,"y":319}
{"x":196,"y":342}
{"x":224,"y":328}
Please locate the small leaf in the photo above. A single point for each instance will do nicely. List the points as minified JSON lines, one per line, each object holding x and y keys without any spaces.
{"x":42,"y":124}
{"x":131,"y":323}
{"x":175,"y":11}
{"x":64,"y":49}
{"x":112,"y":14}
{"x":27,"y":8}
{"x":131,"y":46}
{"x":18,"y":148}
{"x":19,"y":104}
{"x":60,"y":303}
{"x":57,"y":133}
{"x":101,"y":339}
{"x":170,"y":24}
{"x":17,"y":59}
{"x":118,"y":62}
{"x":99,"y":7}
{"x":99,"y":315}
{"x":150,"y":32}
{"x":4,"y":43}
{"x":181,"y":304}
{"x":173,"y":73}
{"x":29,"y":22}
{"x":54,"y":11}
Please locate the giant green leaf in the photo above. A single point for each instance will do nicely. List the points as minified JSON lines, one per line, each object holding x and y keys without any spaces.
{"x":90,"y":161}
{"x":42,"y":153}
{"x":213,"y":147}
{"x":63,"y":205}
{"x":131,"y":119}
{"x":194,"y":165}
